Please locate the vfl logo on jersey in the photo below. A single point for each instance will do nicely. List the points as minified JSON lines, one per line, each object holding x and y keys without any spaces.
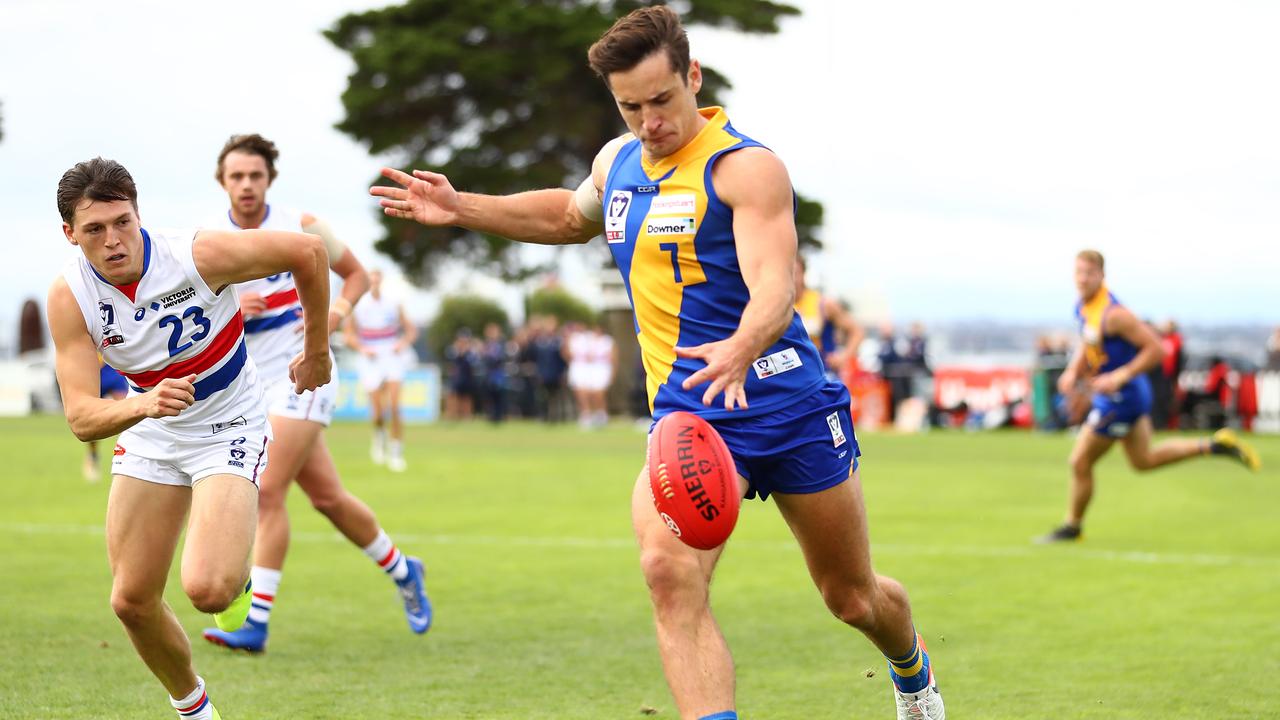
{"x":683,"y":204}
{"x":615,"y":221}
{"x":670,"y":226}
{"x":110,"y":331}
{"x":237,"y":453}
{"x":837,"y":433}
{"x":777,"y":363}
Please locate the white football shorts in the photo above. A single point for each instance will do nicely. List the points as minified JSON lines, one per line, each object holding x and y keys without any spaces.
{"x":387,"y":365}
{"x":238,"y":446}
{"x":280,"y":400}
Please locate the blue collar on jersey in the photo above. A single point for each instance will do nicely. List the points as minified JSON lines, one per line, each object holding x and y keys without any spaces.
{"x":264,"y":218}
{"x":146,"y":259}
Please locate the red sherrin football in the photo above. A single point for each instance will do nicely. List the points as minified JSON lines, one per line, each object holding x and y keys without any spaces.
{"x":693,"y":480}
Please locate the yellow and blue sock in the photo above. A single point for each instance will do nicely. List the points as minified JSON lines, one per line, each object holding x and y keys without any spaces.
{"x":726,"y":715}
{"x":910,"y":673}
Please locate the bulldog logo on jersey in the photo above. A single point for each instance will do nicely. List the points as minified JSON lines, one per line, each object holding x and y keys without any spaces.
{"x":110,"y":331}
{"x":615,"y":221}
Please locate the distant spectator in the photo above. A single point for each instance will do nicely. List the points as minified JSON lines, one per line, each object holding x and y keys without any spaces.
{"x":461,"y":361}
{"x":895,"y":368}
{"x":917,"y":351}
{"x":494,"y":356}
{"x":546,"y":347}
{"x":1273,"y":350}
{"x":1208,"y":406}
{"x":1164,"y":377}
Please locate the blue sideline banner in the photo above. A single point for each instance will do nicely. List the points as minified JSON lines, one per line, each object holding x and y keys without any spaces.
{"x":419,"y":396}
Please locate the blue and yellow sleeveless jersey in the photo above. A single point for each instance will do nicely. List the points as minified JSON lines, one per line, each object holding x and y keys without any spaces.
{"x":673,"y":241}
{"x":1103,"y":353}
{"x":1111,"y":415}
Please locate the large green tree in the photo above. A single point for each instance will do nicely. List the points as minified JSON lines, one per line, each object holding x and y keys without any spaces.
{"x":497,"y":95}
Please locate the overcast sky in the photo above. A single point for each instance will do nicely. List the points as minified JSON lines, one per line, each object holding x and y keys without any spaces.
{"x":964,"y":151}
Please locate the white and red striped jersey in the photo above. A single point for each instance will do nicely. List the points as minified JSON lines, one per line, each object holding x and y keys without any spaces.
{"x":275,"y":335}
{"x":170,"y":324}
{"x":377,"y":319}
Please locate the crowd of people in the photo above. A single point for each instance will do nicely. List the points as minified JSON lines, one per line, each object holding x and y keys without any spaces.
{"x":544,"y":370}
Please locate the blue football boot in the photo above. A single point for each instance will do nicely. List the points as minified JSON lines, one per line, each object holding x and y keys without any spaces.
{"x":417,"y":608}
{"x":251,"y":637}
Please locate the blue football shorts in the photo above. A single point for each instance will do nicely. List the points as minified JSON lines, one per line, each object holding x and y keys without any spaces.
{"x":805,"y":448}
{"x":1114,"y":415}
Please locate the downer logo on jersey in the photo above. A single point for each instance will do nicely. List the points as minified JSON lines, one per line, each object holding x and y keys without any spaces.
{"x":670,"y":226}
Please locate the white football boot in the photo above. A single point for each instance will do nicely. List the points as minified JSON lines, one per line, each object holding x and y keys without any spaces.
{"x":923,"y":705}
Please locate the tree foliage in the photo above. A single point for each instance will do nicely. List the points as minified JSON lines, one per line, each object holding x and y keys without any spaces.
{"x":560,"y":304}
{"x":497,"y":95}
{"x":457,"y":312}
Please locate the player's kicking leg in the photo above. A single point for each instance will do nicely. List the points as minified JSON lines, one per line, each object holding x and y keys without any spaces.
{"x":1089,"y":448}
{"x":831,"y":527}
{"x":695,"y":657}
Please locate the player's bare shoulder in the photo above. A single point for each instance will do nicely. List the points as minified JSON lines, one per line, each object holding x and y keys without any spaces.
{"x":752,"y":175}
{"x":62,"y":310}
{"x":604,"y":159}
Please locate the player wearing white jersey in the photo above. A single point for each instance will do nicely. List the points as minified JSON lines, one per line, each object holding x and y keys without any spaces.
{"x":155,"y":304}
{"x":246,"y":168}
{"x":592,"y":362}
{"x":383,"y":335}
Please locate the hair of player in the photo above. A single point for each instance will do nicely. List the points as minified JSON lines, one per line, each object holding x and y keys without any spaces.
{"x":99,"y":180}
{"x":636,"y":36}
{"x":253,"y":144}
{"x":1094,"y":257}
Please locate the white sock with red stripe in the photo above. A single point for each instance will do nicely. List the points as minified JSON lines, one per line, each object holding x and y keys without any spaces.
{"x":388,"y":557}
{"x":195,"y":706}
{"x":266,"y":582}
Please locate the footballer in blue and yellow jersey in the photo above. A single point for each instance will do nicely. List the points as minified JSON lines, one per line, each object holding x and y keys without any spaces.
{"x":1113,"y":413}
{"x":673,"y":241}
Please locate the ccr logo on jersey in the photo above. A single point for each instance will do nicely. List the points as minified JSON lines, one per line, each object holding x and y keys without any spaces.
{"x":615,"y":220}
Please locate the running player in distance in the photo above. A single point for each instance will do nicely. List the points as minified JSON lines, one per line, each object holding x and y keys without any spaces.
{"x":382,"y":334}
{"x":159,"y":306}
{"x":1116,"y":350}
{"x":246,"y":168}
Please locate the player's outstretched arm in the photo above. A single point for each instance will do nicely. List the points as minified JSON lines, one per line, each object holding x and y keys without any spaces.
{"x":226,"y":257}
{"x":753,"y":182}
{"x":1120,"y":321}
{"x":76,"y":364}
{"x":343,"y":262}
{"x":545,"y":217}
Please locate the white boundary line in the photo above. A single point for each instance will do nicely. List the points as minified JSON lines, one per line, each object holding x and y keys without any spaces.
{"x":967,"y":551}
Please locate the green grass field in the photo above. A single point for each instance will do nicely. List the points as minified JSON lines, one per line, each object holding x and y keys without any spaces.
{"x":1169,"y":609}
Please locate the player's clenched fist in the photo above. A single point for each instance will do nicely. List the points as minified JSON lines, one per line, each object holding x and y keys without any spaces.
{"x":309,"y":372}
{"x":170,"y":397}
{"x":252,"y":303}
